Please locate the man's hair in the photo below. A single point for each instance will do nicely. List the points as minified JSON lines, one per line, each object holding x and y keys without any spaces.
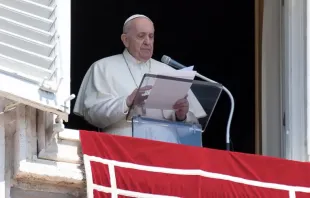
{"x":126,"y":27}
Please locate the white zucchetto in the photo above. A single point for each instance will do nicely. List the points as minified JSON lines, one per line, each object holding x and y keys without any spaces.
{"x":135,"y":16}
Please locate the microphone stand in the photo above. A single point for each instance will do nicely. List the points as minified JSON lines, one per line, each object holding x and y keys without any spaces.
{"x":232,"y":108}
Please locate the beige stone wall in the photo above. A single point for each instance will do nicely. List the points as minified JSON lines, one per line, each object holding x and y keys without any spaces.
{"x":36,"y":161}
{"x":20,"y":193}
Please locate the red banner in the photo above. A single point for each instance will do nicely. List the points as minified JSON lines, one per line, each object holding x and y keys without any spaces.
{"x":118,"y":166}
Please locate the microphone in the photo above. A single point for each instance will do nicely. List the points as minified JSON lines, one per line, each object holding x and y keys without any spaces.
{"x":169,"y":61}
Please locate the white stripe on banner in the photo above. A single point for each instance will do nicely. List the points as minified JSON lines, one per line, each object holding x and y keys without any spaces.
{"x":292,"y":194}
{"x":128,"y":193}
{"x":113,"y":189}
{"x":195,"y":172}
{"x":113,"y":181}
{"x":89,"y":177}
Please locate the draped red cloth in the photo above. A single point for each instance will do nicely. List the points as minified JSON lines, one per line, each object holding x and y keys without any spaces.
{"x":118,"y":166}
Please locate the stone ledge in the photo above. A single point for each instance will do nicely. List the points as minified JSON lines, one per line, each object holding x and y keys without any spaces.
{"x":64,"y":148}
{"x":17,"y":192}
{"x":57,"y":173}
{"x":70,"y":134}
{"x":62,"y":151}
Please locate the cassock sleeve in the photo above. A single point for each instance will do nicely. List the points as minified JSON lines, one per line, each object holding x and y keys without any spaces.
{"x":103,"y":106}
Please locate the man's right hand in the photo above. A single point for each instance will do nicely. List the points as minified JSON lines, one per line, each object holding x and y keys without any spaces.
{"x":140,"y":95}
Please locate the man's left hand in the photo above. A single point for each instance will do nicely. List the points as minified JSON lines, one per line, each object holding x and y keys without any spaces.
{"x":181,"y":108}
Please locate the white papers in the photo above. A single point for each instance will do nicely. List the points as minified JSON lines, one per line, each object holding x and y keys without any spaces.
{"x":187,"y":68}
{"x":166,"y":92}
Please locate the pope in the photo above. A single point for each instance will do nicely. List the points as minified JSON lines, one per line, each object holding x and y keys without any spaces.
{"x":110,"y":85}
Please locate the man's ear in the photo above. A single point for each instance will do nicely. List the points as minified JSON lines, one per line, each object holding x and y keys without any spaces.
{"x":124,"y":40}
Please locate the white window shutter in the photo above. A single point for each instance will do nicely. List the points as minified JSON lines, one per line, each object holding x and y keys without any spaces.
{"x":35,"y":53}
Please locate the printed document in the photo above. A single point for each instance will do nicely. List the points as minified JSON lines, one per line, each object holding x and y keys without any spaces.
{"x":166,"y":92}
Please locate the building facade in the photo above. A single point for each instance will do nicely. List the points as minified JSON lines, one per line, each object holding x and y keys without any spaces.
{"x":40,"y":158}
{"x":284,"y":79}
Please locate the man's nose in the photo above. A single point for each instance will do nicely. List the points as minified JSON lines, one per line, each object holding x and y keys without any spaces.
{"x":147,"y":41}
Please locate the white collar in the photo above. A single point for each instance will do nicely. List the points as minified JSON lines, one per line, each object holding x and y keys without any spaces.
{"x":132,"y":60}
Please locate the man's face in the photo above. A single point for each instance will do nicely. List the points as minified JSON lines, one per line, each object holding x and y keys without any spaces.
{"x":140,"y":39}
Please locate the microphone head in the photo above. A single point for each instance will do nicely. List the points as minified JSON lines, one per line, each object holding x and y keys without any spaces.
{"x":165,"y":59}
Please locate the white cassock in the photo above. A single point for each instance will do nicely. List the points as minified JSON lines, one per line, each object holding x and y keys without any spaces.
{"x":106,"y":85}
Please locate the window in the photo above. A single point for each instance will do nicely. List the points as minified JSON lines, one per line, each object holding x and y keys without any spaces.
{"x":35,"y":73}
{"x":35,"y":54}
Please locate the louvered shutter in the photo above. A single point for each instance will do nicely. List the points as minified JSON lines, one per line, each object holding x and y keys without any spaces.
{"x":35,"y":53}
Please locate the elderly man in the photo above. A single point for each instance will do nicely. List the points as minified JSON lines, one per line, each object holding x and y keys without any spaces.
{"x":110,"y":85}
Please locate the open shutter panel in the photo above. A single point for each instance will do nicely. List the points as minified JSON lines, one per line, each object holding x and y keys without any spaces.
{"x":35,"y":53}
